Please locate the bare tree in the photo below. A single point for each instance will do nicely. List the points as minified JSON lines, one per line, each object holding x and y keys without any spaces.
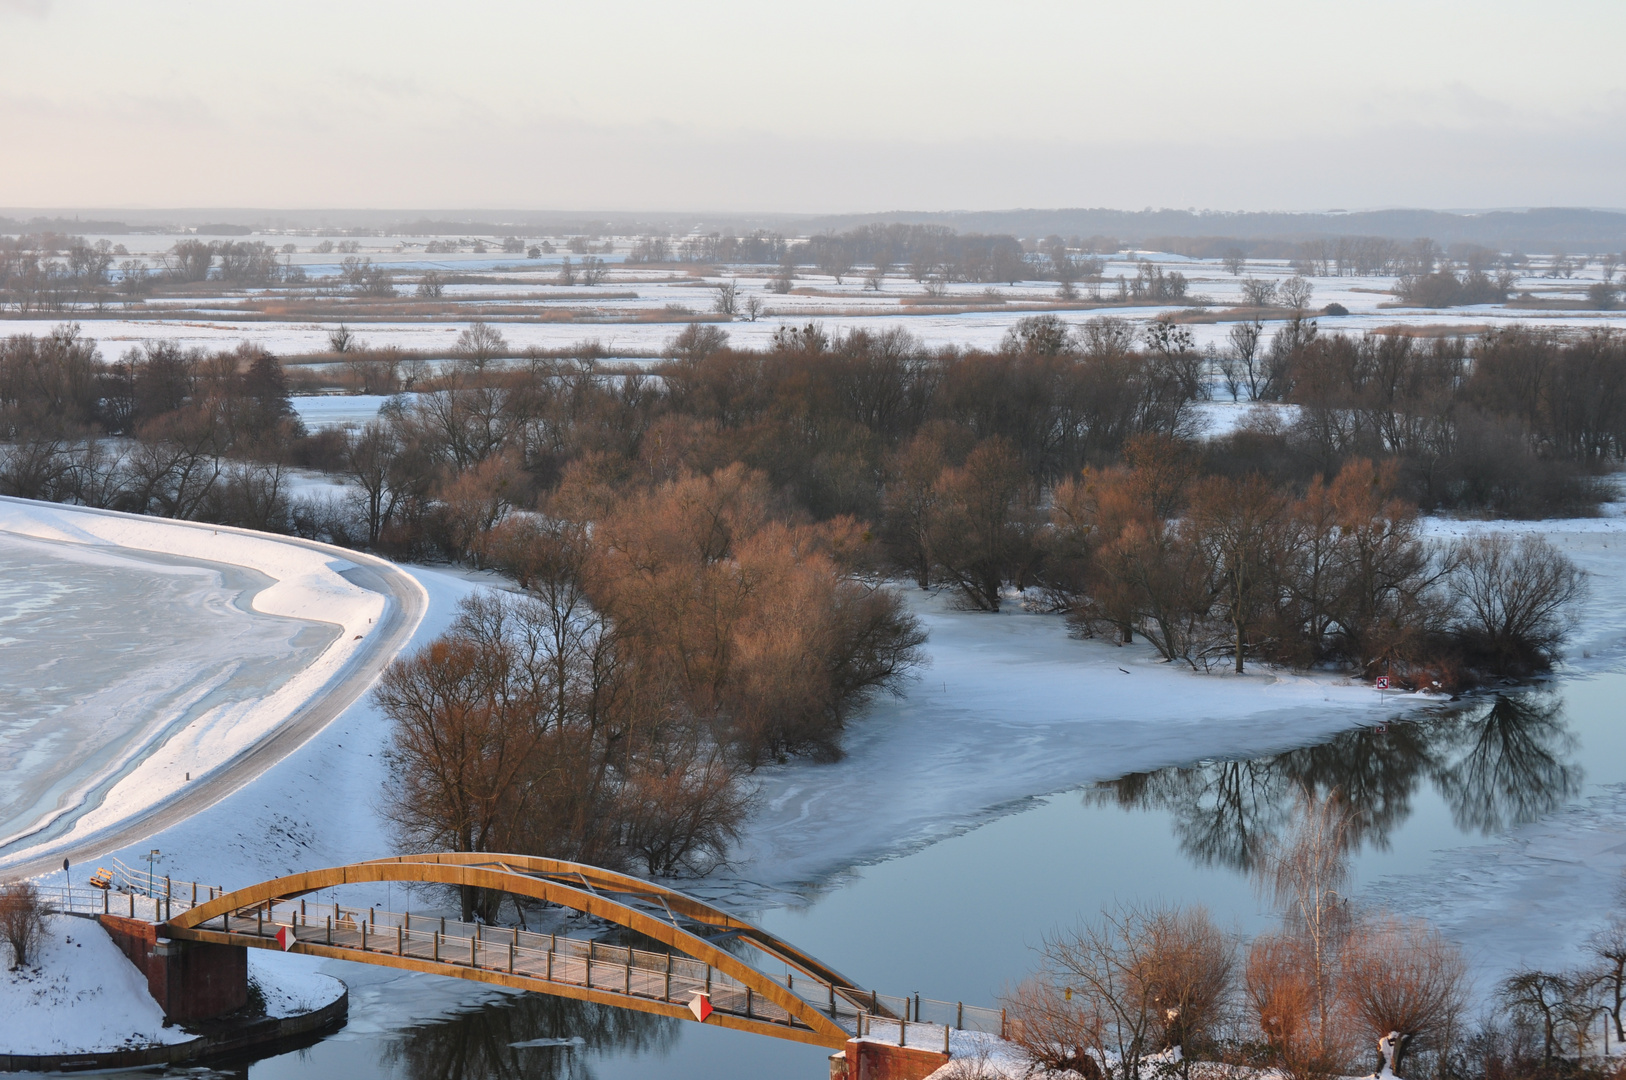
{"x":479,"y":344}
{"x":1402,"y":979}
{"x":1055,"y":1027}
{"x":432,"y":286}
{"x":567,"y":272}
{"x":1305,"y":874}
{"x":22,"y":920}
{"x":1516,"y":599}
{"x":1235,"y":262}
{"x":1608,"y":946}
{"x":1142,"y":980}
{"x":1258,"y":292}
{"x":341,"y":340}
{"x":1245,"y":338}
{"x":593,"y":270}
{"x":727,"y":298}
{"x":1295,"y":292}
{"x":753,"y":307}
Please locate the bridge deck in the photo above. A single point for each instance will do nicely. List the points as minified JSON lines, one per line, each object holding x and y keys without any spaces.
{"x":664,"y":981}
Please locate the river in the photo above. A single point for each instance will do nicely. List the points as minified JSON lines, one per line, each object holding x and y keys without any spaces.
{"x":959,"y":919}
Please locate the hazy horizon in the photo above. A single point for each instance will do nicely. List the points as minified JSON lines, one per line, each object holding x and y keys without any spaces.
{"x":846,"y":108}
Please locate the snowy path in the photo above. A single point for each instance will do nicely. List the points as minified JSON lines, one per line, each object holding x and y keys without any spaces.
{"x":375,"y":606}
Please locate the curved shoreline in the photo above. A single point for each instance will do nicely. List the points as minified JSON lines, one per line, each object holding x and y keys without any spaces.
{"x":253,"y":1038}
{"x":403,"y":609}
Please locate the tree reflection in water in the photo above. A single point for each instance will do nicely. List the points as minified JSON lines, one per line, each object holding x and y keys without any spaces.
{"x":1496,"y":767}
{"x":479,"y":1044}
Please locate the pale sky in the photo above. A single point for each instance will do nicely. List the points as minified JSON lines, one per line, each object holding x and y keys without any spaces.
{"x":812,"y":107}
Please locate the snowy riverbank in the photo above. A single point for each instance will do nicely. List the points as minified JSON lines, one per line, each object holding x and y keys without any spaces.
{"x":81,"y":995}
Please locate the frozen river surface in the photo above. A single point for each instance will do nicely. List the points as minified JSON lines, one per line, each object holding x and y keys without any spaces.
{"x":84,"y":698}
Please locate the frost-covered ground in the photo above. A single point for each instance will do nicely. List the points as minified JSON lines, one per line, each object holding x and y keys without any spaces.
{"x":82,"y":994}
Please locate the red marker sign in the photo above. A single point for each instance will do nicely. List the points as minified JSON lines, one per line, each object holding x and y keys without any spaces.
{"x":285,"y":937}
{"x":701,"y":1007}
{"x":1383,"y":682}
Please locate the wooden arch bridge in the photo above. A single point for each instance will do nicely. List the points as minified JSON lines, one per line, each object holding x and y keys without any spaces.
{"x":711,"y":966}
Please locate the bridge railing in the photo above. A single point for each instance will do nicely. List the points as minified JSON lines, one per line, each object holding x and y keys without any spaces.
{"x":548,"y":957}
{"x":139,"y":893}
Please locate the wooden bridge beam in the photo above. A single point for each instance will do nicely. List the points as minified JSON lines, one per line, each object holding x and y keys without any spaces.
{"x":499,"y":880}
{"x":519,"y":982}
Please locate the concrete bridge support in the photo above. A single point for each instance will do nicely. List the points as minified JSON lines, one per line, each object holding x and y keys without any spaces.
{"x":867,"y":1059}
{"x":190,"y":980}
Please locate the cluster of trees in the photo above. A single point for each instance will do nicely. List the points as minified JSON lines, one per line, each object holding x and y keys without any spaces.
{"x":206,"y":436}
{"x":759,"y":248}
{"x":670,"y":637}
{"x":1061,"y":465}
{"x":1445,"y":288}
{"x":1514,"y":422}
{"x":1155,"y":989}
{"x":1221,"y":566}
{"x":1158,"y":990}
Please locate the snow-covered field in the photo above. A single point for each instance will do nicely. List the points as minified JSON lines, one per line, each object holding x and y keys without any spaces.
{"x":637,"y":309}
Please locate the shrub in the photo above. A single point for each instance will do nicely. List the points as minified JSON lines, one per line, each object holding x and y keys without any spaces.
{"x":22,"y":920}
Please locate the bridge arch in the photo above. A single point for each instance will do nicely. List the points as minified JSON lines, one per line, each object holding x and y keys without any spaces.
{"x":653,"y":910}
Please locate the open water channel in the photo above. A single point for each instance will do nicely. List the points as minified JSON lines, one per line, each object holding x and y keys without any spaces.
{"x":958,"y":920}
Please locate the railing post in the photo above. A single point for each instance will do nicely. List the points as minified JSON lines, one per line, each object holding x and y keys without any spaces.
{"x":748,"y":1003}
{"x":259,"y":920}
{"x":917,"y":1007}
{"x":330,"y":929}
{"x":708,"y":980}
{"x":626,"y":987}
{"x":474,"y":948}
{"x":945,"y":1038}
{"x":550,"y":958}
{"x":666,"y":993}
{"x":832,"y":1000}
{"x":903,"y":1026}
{"x":132,"y":905}
{"x":194,"y":894}
{"x":1002,"y":1023}
{"x":959,"y":1015}
{"x":511,"y":957}
{"x":105,"y":893}
{"x":364,"y":935}
{"x":400,"y":940}
{"x":436,"y":934}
